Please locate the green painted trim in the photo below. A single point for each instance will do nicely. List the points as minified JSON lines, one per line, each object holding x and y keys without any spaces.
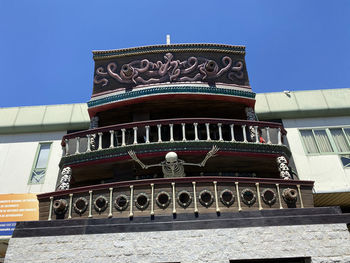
{"x":171,"y":90}
{"x":330,"y":138}
{"x":161,"y":48}
{"x":174,"y":146}
{"x":35,"y":161}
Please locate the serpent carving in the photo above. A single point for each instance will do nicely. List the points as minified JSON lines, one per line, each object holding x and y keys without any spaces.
{"x":148,"y":72}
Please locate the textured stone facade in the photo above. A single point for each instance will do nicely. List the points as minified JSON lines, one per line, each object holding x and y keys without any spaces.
{"x":323,"y":243}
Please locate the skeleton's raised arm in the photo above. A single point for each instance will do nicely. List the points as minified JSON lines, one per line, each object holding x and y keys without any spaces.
{"x":210,"y":154}
{"x":136,"y":159}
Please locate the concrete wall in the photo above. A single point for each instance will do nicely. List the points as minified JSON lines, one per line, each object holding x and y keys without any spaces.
{"x":326,"y":170}
{"x":323,"y":243}
{"x":17,"y":154}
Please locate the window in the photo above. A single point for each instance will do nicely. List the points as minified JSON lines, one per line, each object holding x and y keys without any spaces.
{"x":41,"y":159}
{"x":326,"y":140}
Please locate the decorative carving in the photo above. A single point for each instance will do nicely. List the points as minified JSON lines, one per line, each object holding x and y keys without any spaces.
{"x":80,"y":205}
{"x":60,"y":206}
{"x":147,"y":72}
{"x":227,"y":197}
{"x":65,"y":179}
{"x":172,"y":166}
{"x":184,"y":199}
{"x":290,"y":195}
{"x":283,"y":168}
{"x":268,"y":196}
{"x":206,"y":198}
{"x":248,"y":197}
{"x":163,"y":199}
{"x":251,"y":117}
{"x":142,"y":201}
{"x":100,"y":203}
{"x":121,"y":202}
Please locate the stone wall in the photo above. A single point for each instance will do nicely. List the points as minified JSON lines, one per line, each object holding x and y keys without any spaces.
{"x":323,"y":243}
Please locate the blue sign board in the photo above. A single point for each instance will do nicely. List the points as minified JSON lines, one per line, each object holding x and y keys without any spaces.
{"x":6,"y":228}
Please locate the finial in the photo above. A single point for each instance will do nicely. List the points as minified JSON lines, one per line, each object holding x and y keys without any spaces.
{"x":168,"y":39}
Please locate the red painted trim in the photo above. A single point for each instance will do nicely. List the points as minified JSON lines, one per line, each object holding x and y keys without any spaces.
{"x":230,"y":98}
{"x":168,"y":181}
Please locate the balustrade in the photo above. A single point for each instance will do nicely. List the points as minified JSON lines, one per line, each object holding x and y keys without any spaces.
{"x":172,"y":130}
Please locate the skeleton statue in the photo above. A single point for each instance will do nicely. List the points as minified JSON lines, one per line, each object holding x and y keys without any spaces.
{"x":65,"y":179}
{"x":283,"y":168}
{"x":251,"y":117}
{"x":172,"y":166}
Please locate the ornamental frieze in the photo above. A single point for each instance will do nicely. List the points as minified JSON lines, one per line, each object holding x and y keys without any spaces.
{"x":143,"y":71}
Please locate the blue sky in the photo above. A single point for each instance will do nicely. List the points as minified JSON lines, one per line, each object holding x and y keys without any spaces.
{"x":46,"y":45}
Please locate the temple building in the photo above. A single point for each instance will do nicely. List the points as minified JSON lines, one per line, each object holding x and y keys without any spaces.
{"x":176,"y":159}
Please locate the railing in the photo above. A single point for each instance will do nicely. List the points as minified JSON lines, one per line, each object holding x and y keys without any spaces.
{"x":171,"y":130}
{"x":176,"y":195}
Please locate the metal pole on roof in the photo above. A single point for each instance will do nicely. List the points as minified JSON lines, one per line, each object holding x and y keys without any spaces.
{"x":168,"y":39}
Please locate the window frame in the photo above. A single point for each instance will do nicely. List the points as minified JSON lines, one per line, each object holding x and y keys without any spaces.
{"x":30,"y":180}
{"x":330,"y":138}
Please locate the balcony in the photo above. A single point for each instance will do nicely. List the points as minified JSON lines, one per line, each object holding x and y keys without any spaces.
{"x":171,"y":196}
{"x":188,"y":131}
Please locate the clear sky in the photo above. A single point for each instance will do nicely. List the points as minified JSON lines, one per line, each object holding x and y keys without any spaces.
{"x":46,"y":45}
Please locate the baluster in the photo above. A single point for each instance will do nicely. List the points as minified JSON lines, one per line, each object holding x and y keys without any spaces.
{"x":279,"y":196}
{"x":256,"y":134}
{"x":220,"y":132}
{"x":216,"y":197}
{"x":112,"y":139}
{"x":63,"y":150}
{"x":88,"y":146}
{"x":195,"y":197}
{"x":268,"y":135}
{"x":183,"y":132}
{"x":244,"y":133}
{"x":135,"y":135}
{"x":50,"y":209}
{"x":196,"y":131}
{"x":67,"y":146}
{"x":174,"y":203}
{"x":70,"y":206}
{"x":279,"y":136}
{"x":123,"y":137}
{"x":131,"y":214}
{"x":301,"y":198}
{"x":77,"y":145}
{"x":100,"y":141}
{"x":110,"y":214}
{"x":232,"y":133}
{"x":147,"y":134}
{"x":238,"y":197}
{"x":208,"y":131}
{"x":258,"y":194}
{"x":159,"y":132}
{"x":90,"y":204}
{"x":171,"y":132}
{"x":152,"y":199}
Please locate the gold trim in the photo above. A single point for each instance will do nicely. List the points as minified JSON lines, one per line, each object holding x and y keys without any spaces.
{"x":238,"y":197}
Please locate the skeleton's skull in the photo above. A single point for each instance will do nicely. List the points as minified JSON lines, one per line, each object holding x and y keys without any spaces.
{"x":281,"y":159}
{"x":283,"y":167}
{"x":63,"y":186}
{"x":171,"y":158}
{"x":66,"y":170}
{"x":65,"y":178}
{"x":285,"y":175}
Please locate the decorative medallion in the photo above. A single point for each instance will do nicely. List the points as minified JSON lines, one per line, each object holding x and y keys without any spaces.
{"x":206,"y":198}
{"x":121,"y":202}
{"x":248,"y":197}
{"x":163,"y":199}
{"x":142,"y":201}
{"x":184,"y":199}
{"x":227,"y":197}
{"x":80,"y":205}
{"x":100,"y":203}
{"x":268,"y":196}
